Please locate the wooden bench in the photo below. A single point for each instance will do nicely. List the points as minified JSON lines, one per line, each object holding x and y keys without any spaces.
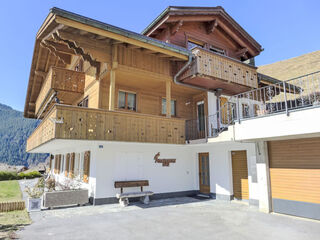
{"x":124,"y":197}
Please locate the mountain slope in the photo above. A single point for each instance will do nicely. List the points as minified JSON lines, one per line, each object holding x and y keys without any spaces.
{"x":14,"y":131}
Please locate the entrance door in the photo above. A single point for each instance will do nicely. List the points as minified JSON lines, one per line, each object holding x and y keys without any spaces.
{"x":201,"y":119}
{"x":204,"y":173}
{"x":240,"y":174}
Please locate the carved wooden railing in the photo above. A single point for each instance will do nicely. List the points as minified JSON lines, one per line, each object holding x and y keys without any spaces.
{"x":70,"y":122}
{"x":60,"y":80}
{"x":210,"y":64}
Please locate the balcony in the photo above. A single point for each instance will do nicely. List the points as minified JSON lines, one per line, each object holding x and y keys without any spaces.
{"x":66,"y":85}
{"x":213,"y":71}
{"x":76,"y":123}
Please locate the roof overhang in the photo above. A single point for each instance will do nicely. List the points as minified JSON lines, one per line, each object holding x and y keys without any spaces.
{"x":207,"y":14}
{"x":58,"y":19}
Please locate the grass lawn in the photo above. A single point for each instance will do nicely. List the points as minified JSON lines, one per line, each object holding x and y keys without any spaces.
{"x":10,"y":191}
{"x":11,"y":221}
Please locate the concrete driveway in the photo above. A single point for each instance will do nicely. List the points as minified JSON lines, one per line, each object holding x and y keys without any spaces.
{"x":179,"y":218}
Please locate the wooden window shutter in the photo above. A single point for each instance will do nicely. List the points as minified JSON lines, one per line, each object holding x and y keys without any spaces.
{"x":50,"y":163}
{"x":59,"y":163}
{"x":71,"y":172}
{"x":55,"y":163}
{"x":66,"y":171}
{"x":86,"y":166}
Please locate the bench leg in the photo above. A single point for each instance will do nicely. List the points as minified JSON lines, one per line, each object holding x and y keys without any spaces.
{"x":145,"y":199}
{"x":124,"y":202}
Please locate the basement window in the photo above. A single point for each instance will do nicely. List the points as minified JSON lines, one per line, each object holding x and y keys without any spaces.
{"x":127,"y":100}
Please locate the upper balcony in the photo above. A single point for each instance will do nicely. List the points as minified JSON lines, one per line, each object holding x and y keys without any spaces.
{"x":78,"y":123}
{"x":213,"y":71}
{"x":66,"y":85}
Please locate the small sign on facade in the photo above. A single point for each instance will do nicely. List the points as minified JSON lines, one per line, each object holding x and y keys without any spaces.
{"x":165,"y":161}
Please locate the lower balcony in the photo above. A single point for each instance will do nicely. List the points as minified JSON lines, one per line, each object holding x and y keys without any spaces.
{"x":77,"y":123}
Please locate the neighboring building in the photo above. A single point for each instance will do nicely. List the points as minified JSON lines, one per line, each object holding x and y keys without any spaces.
{"x":187,"y":88}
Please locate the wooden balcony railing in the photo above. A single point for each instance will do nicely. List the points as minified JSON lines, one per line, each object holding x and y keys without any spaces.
{"x":70,"y":122}
{"x":67,"y":84}
{"x":220,"y":70}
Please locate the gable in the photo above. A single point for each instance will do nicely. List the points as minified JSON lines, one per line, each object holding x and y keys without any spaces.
{"x":212,"y":25}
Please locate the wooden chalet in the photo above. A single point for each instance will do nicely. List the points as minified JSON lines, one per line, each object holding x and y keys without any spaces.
{"x":92,"y":80}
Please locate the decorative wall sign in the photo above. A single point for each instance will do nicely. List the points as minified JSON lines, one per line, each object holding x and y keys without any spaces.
{"x":165,"y":161}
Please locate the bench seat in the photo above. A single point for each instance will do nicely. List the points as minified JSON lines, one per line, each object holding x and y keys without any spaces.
{"x":134,"y":194}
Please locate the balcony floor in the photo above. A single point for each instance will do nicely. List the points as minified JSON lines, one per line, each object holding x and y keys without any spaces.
{"x":210,"y":83}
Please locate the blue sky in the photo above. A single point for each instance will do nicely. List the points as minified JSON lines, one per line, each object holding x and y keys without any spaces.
{"x":284,"y":28}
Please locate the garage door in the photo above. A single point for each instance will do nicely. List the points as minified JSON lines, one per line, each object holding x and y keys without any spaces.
{"x":295,"y":177}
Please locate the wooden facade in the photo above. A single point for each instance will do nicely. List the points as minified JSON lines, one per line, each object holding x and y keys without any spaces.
{"x":79,"y":62}
{"x":78,"y":123}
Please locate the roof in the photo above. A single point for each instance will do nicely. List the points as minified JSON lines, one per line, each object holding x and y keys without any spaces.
{"x":118,"y":30}
{"x":292,"y":67}
{"x":178,"y":10}
{"x":51,"y":23}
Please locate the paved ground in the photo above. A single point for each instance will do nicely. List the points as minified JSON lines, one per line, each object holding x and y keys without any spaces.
{"x":179,"y":218}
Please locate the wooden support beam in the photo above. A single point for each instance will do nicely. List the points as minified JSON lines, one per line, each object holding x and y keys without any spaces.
{"x":164,"y":35}
{"x":176,"y":27}
{"x":79,"y":50}
{"x":242,"y":52}
{"x":132,"y":46}
{"x":83,"y":41}
{"x":40,"y":73}
{"x":65,"y":58}
{"x":60,"y":47}
{"x":168,"y":98}
{"x":212,"y":26}
{"x":161,"y":55}
{"x":112,"y":87}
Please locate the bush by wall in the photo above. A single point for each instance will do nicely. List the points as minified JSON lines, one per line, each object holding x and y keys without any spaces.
{"x":4,"y":175}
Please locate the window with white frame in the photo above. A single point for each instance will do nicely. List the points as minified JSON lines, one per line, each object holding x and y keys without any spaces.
{"x":164,"y":107}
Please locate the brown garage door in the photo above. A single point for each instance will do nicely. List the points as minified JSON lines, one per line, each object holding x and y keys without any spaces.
{"x":240,"y":174}
{"x":295,"y":176}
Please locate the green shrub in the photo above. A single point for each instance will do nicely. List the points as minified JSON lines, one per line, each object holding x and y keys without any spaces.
{"x":4,"y":175}
{"x":29,"y":175}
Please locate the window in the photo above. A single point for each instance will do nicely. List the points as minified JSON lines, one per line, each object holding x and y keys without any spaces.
{"x":164,"y":107}
{"x":217,"y":50}
{"x":127,"y":101}
{"x":84,"y":102}
{"x":192,"y":44}
{"x":79,"y":66}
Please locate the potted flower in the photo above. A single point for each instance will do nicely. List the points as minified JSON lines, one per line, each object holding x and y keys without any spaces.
{"x":35,"y":194}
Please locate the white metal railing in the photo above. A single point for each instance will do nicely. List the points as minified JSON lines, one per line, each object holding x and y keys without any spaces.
{"x":297,"y":93}
{"x":283,"y":97}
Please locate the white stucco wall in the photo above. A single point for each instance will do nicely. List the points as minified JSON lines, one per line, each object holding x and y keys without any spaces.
{"x":221,"y":166}
{"x":132,"y":161}
{"x":304,"y":123}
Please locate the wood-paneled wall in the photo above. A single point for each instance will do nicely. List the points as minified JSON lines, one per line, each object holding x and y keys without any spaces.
{"x":94,"y":124}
